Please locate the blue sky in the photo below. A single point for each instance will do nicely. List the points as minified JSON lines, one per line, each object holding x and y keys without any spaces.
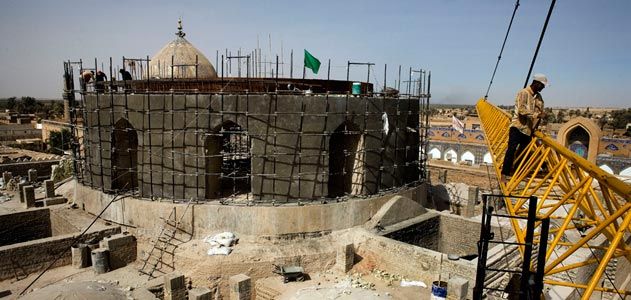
{"x":585,"y":52}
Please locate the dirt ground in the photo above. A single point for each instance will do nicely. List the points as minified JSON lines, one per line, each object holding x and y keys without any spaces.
{"x":119,"y":283}
{"x":254,"y":256}
{"x":330,"y":285}
{"x":251,"y":256}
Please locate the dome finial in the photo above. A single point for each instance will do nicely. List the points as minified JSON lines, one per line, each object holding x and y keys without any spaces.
{"x":180,"y":33}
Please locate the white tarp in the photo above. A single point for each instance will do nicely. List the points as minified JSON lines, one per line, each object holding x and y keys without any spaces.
{"x":221,"y":243}
{"x":413,"y":283}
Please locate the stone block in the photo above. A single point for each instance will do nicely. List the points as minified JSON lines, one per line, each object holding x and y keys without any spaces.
{"x":344,"y":258}
{"x":32,"y":175}
{"x":458,"y":288}
{"x":200,"y":294}
{"x":50,"y":188}
{"x":6,"y":176}
{"x":135,"y":102}
{"x":174,"y":286}
{"x":240,"y":287}
{"x":122,"y":248}
{"x":472,"y":199}
{"x":29,"y":196}
{"x":21,"y":191}
{"x":174,"y":281}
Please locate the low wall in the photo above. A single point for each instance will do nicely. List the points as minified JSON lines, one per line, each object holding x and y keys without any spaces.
{"x":410,"y":261}
{"x":203,"y":219}
{"x":25,"y":258}
{"x":422,"y":231}
{"x":443,"y":232}
{"x":44,"y":168}
{"x":459,"y":235}
{"x":18,"y":227}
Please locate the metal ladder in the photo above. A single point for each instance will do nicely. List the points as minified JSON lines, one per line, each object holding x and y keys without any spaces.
{"x":165,"y":244}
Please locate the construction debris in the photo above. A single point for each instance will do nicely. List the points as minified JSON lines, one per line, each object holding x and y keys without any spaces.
{"x":357,"y":282}
{"x":4,"y":197}
{"x":387,"y":277}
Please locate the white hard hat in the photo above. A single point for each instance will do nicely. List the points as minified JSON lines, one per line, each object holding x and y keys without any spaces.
{"x":541,"y":78}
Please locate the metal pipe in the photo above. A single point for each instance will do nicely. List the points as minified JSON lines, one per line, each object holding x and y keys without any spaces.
{"x":527,"y":255}
{"x":385,"y":77}
{"x":328,"y":76}
{"x":399,"y":80}
{"x":541,"y":257}
{"x":348,"y":69}
{"x":222,"y":65}
{"x":409,"y":91}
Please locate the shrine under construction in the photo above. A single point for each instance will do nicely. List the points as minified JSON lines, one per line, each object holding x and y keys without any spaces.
{"x":237,"y":179}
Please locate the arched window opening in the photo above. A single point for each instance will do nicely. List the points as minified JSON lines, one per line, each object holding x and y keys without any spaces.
{"x":468,"y":157}
{"x":578,"y":141}
{"x":451,"y":155}
{"x":346,"y":174}
{"x":607,"y":169}
{"x":124,"y":156}
{"x":434,"y":153}
{"x":228,"y":161}
{"x":487,"y":159}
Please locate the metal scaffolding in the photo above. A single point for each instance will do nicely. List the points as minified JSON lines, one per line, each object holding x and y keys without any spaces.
{"x":106,"y":146}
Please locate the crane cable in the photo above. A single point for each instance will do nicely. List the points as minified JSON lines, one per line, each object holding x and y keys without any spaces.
{"x":534,"y":58}
{"x":543,"y":32}
{"x":499,"y":57}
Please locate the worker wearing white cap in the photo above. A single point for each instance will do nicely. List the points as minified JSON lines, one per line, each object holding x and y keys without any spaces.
{"x":528,"y":112}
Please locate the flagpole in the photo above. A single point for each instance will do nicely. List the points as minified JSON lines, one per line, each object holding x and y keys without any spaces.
{"x":291,"y":68}
{"x":304,"y":71}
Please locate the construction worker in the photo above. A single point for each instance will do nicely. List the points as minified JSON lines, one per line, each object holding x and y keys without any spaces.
{"x":528,"y":112}
{"x":100,"y":81}
{"x":86,"y":77}
{"x":126,"y":75}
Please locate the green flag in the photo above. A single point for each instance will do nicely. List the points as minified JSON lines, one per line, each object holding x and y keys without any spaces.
{"x":312,"y":62}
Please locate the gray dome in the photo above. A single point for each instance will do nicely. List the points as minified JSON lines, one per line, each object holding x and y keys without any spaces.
{"x":183,"y":55}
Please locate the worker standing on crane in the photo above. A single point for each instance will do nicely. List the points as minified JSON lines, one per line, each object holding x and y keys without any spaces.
{"x":528,"y":112}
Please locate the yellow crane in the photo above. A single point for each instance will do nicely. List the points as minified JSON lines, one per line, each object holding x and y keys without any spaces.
{"x":590,"y":207}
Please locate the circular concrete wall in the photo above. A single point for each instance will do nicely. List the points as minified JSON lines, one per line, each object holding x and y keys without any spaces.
{"x":206,"y":218}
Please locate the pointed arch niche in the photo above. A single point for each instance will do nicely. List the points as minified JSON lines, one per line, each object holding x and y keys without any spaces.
{"x":228,"y":161}
{"x":346,"y":161}
{"x":124,"y":156}
{"x":581,"y":135}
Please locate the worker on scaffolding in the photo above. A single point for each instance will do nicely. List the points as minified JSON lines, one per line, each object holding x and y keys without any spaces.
{"x":100,"y":81}
{"x":528,"y":112}
{"x":85,"y":78}
{"x":125,"y":74}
